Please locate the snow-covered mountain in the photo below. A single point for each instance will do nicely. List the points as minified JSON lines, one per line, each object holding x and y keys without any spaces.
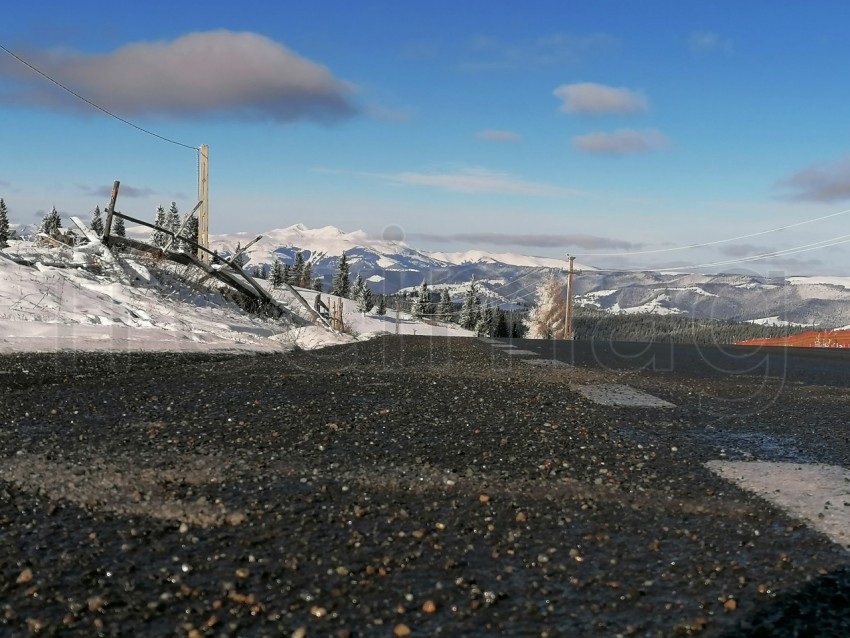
{"x":511,"y":279}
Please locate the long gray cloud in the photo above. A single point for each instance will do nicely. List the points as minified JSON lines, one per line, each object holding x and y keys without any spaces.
{"x":588,"y":98}
{"x":468,"y":180}
{"x":622,"y":142}
{"x":240,"y":74}
{"x":125,"y":191}
{"x":820,"y":183}
{"x":529,"y":240}
{"x":558,"y":48}
{"x":744,"y":250}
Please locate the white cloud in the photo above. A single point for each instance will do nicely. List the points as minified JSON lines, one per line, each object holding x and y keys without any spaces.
{"x":708,"y":42}
{"x":588,"y":98}
{"x":209,"y":73}
{"x":622,"y":142}
{"x":494,"y":135}
{"x":478,"y":180}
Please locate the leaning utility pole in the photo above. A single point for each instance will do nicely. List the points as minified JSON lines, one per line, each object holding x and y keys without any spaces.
{"x":204,"y":196}
{"x":110,"y":211}
{"x":568,"y":326}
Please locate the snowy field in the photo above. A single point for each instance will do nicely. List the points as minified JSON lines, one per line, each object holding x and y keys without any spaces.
{"x":134,"y":303}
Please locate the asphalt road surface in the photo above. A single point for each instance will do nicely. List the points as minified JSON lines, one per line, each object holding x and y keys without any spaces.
{"x":412,"y":486}
{"x":826,"y":366}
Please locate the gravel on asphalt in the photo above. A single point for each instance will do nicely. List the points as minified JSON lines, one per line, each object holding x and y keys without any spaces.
{"x":401,"y":486}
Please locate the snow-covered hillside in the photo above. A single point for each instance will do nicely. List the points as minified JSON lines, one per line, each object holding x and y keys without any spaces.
{"x":138,"y":304}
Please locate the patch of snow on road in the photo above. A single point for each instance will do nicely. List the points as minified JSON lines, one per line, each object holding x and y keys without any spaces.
{"x":818,"y":494}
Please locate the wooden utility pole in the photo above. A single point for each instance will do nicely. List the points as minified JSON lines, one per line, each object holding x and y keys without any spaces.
{"x":568,"y":326}
{"x":107,"y":225}
{"x":204,"y":196}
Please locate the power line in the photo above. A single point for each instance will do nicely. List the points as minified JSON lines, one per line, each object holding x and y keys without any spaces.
{"x":714,"y":243}
{"x":92,"y":104}
{"x":826,"y":243}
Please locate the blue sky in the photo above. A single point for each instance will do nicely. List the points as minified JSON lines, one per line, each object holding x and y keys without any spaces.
{"x":556,"y":127}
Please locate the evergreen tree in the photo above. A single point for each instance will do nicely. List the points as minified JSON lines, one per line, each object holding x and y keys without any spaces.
{"x":276,"y":275}
{"x":4,"y":224}
{"x":422,"y":305}
{"x":158,"y":238}
{"x":485,"y":324}
{"x":307,"y":276}
{"x":341,"y":286}
{"x":501,"y":329}
{"x":118,"y":227}
{"x":191,"y":232}
{"x":173,"y":218}
{"x":382,"y":306}
{"x":365,"y":298}
{"x":446,"y":309}
{"x":357,"y":287}
{"x":172,"y":223}
{"x":317,"y":285}
{"x":287,"y":274}
{"x":236,"y":257}
{"x":51,"y":223}
{"x":471,"y":304}
{"x":297,"y":269}
{"x":97,"y":221}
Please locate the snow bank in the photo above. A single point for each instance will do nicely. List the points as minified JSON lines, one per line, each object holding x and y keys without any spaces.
{"x":133,"y":303}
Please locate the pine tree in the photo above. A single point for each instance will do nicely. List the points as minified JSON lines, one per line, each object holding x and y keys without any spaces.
{"x":501,"y":329}
{"x":191,"y":232}
{"x":486,"y":320}
{"x":236,"y":257}
{"x":51,"y":223}
{"x":382,"y":306}
{"x":118,"y":227}
{"x":276,"y":276}
{"x":97,"y":221}
{"x":173,"y":218}
{"x":172,"y":223}
{"x":4,"y":224}
{"x":297,"y":268}
{"x":471,"y":304}
{"x":158,"y":238}
{"x":287,"y":274}
{"x":447,"y":309}
{"x":357,"y":287}
{"x":317,"y":285}
{"x":341,"y":286}
{"x":307,"y":276}
{"x":365,"y":299}
{"x":422,"y":306}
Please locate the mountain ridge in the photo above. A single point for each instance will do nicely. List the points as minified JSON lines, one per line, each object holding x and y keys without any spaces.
{"x":511,"y":280}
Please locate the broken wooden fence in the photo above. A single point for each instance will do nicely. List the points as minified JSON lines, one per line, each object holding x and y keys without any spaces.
{"x":244,"y":283}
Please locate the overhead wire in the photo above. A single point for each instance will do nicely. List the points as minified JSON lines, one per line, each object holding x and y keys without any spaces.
{"x":96,"y":106}
{"x":715,"y":242}
{"x":826,"y":243}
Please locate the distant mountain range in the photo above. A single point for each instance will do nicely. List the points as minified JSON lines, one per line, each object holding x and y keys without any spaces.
{"x":511,"y":280}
